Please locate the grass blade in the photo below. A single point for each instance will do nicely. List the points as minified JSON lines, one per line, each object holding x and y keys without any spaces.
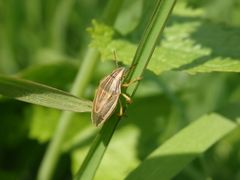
{"x":144,"y":52}
{"x":170,"y":158}
{"x":36,"y":93}
{"x":94,"y":156}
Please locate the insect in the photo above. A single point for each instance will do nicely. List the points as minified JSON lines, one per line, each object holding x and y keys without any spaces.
{"x":107,"y":96}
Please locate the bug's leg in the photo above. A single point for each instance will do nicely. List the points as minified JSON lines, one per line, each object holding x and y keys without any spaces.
{"x":131,"y":82}
{"x":121,"y":109}
{"x":128,"y":99}
{"x":121,"y":112}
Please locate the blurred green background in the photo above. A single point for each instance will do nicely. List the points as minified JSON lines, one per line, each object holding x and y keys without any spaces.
{"x":45,"y":41}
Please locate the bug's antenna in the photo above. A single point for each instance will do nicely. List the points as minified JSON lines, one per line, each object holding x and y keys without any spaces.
{"x":115,"y":57}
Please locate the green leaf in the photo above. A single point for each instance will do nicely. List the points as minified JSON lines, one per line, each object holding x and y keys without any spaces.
{"x":170,"y":158}
{"x":190,"y":44}
{"x":40,"y":94}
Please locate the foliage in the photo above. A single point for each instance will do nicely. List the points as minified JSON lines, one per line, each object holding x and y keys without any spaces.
{"x":187,"y":101}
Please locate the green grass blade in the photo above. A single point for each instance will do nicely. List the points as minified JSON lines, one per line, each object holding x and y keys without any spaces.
{"x":94,"y":156}
{"x":145,"y":49}
{"x":36,"y":93}
{"x":170,"y":158}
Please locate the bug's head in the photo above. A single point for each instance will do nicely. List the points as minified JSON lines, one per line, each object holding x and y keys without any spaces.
{"x":119,"y":72}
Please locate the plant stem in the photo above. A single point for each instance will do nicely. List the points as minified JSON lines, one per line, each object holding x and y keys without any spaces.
{"x":96,"y":152}
{"x":53,"y":152}
{"x":143,"y":54}
{"x":59,"y":23}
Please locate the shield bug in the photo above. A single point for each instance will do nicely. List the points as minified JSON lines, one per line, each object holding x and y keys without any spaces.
{"x":107,"y":96}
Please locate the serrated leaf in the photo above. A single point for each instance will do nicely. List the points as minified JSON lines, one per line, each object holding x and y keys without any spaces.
{"x":36,"y":93}
{"x":190,"y":44}
{"x":170,"y":158}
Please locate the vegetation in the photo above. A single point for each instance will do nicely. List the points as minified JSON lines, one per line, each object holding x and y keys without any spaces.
{"x":184,"y":119}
